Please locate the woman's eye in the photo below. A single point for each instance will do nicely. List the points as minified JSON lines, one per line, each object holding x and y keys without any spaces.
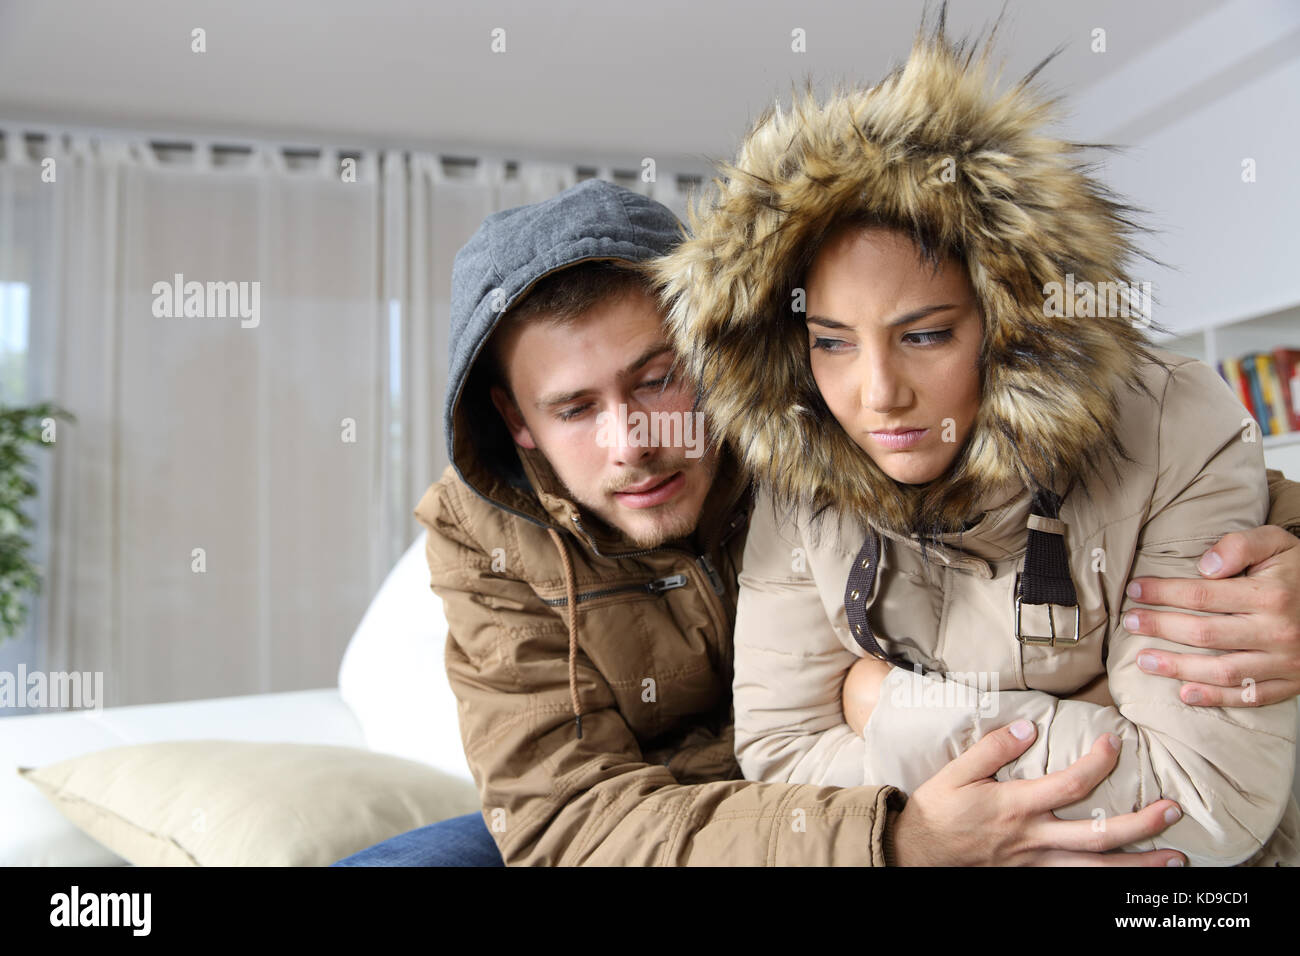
{"x":928,"y":338}
{"x":658,"y":382}
{"x":828,"y":345}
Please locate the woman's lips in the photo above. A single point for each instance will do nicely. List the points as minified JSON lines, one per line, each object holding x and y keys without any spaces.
{"x":654,"y":495}
{"x":900,"y":440}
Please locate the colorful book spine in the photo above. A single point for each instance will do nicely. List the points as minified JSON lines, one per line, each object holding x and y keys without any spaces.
{"x":1230,"y":369}
{"x":1272,"y":387}
{"x":1287,"y":363}
{"x":1260,"y":407}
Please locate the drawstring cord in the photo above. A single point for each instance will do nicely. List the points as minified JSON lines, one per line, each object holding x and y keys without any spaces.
{"x":571,"y":591}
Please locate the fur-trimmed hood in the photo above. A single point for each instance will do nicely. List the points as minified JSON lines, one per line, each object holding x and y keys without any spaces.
{"x":938,"y":152}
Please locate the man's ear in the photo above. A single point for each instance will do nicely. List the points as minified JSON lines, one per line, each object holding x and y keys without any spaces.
{"x":513,"y":418}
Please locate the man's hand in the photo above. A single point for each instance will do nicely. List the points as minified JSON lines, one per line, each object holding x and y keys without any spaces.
{"x":862,"y":690}
{"x":962,"y":817}
{"x":1258,"y":622}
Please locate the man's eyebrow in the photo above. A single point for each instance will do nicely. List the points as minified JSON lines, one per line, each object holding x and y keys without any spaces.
{"x":563,"y":398}
{"x":559,"y":398}
{"x":914,"y":316}
{"x":649,"y":355}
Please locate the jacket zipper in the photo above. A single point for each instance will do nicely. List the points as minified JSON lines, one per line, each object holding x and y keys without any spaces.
{"x":656,"y":587}
{"x":702,"y":561}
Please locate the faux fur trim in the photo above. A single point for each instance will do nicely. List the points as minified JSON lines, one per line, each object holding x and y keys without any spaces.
{"x":1019,"y":206}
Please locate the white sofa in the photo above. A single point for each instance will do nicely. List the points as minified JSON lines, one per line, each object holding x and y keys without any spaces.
{"x":393,"y":697}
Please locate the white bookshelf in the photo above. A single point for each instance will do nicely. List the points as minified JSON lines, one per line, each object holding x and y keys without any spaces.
{"x":1262,"y":333}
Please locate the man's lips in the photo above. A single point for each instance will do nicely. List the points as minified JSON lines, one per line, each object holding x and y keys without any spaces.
{"x":652,"y":492}
{"x":897,"y":439}
{"x":646,"y":485}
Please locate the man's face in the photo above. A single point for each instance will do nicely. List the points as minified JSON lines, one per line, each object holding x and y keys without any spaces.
{"x":642,"y":469}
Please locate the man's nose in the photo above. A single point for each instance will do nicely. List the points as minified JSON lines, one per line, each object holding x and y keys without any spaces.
{"x":632,"y":438}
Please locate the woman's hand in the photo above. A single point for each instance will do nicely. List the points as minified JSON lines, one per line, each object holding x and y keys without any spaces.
{"x":862,"y":690}
{"x":1258,"y":622}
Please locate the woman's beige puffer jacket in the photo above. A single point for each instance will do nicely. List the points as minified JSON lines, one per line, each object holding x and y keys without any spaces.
{"x":1154,"y":456}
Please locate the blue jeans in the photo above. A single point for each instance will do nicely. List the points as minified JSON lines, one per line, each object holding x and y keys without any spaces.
{"x":460,"y":841}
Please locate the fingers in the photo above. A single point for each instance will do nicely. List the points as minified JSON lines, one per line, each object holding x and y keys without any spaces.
{"x":989,"y":754}
{"x":1235,"y":552}
{"x":1101,"y":834}
{"x":1235,"y":596}
{"x":1222,"y":632}
{"x":1064,"y":787}
{"x":1149,"y":858}
{"x":1221,"y":670}
{"x":1250,"y":695}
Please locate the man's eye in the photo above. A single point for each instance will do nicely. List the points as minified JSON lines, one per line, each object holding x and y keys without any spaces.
{"x":929,"y":338}
{"x":569,"y":414}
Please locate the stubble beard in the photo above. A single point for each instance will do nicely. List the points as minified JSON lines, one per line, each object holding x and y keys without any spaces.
{"x":674,"y":524}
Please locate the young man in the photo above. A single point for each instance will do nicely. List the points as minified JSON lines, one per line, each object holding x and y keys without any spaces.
{"x":588,"y":570}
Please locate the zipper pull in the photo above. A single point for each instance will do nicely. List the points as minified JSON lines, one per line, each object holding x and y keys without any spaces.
{"x":712,"y":573}
{"x":660,"y":585}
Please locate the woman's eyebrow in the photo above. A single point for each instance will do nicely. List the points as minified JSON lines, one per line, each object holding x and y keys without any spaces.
{"x":918,"y":314}
{"x":914,"y":316}
{"x":829,"y":323}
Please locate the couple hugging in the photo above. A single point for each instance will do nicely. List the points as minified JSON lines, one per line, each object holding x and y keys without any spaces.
{"x":902,"y":609}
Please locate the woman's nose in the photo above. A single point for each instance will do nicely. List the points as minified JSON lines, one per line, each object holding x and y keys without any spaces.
{"x":882,"y":388}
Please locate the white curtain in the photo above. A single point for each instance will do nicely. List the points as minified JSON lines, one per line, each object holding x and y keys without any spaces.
{"x":231,"y":494}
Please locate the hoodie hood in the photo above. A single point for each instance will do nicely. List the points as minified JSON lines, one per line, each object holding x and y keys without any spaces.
{"x":937,"y":152}
{"x":502,"y":261}
{"x":505,"y":257}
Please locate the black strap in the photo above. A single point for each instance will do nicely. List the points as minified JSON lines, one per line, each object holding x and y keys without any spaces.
{"x":1044,"y":580}
{"x":857,"y":592}
{"x":1046,"y":576}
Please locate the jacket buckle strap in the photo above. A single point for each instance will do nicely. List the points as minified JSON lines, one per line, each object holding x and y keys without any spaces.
{"x":1050,"y":640}
{"x":857,"y":595}
{"x":1046,"y":579}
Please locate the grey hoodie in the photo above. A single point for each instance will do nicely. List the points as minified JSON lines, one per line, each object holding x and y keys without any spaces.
{"x":508,"y":254}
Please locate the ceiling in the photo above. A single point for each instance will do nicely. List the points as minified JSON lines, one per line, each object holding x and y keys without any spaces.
{"x":678,"y":80}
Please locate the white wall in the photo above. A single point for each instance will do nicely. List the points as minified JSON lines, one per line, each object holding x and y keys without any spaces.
{"x":1224,"y":89}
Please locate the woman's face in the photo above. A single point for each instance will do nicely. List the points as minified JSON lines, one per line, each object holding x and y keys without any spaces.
{"x":895,"y":349}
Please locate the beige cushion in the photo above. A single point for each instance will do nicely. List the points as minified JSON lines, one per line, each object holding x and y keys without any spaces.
{"x":235,"y":803}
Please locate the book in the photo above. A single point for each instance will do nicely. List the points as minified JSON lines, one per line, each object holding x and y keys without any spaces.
{"x":1271,"y":385}
{"x":1260,"y":408}
{"x":1287,"y":363}
{"x":1230,"y":369}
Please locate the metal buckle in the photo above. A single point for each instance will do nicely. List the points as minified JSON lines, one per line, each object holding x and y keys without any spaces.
{"x":1052,"y":640}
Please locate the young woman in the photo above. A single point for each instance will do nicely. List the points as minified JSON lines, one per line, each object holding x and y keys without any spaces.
{"x":907,"y":308}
